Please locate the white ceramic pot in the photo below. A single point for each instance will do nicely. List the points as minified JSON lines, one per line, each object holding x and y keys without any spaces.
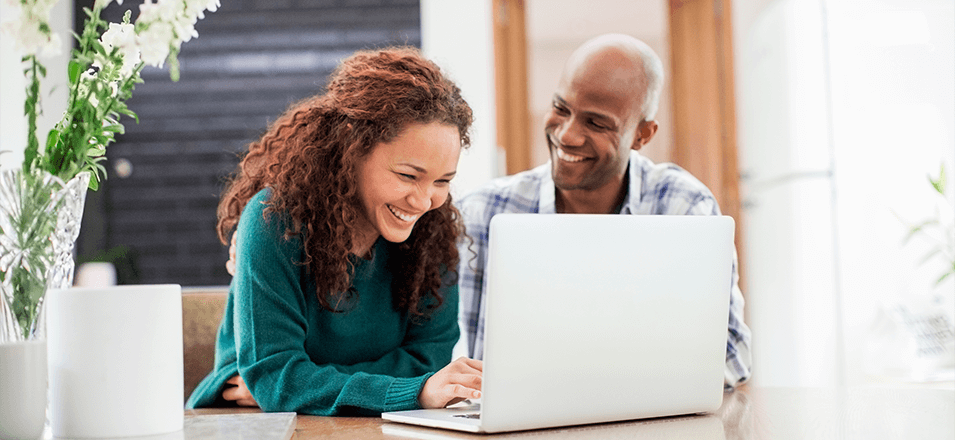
{"x":115,"y":361}
{"x":22,"y":389}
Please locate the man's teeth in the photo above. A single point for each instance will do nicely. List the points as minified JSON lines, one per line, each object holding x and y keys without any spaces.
{"x":403,"y":216}
{"x":565,"y":156}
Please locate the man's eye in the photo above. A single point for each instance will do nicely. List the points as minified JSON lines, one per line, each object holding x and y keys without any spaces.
{"x":560,"y":110}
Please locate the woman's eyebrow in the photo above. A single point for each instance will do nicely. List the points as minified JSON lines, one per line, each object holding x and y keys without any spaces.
{"x":424,"y":171}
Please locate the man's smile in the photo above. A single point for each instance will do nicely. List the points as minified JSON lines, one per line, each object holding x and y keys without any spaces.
{"x":567,"y":157}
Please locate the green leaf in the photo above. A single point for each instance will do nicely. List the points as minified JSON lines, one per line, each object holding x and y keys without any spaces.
{"x":75,"y":70}
{"x":173,"y":65}
{"x":115,"y":128}
{"x":944,"y":276}
{"x":52,"y":138}
{"x":939,"y":184}
{"x":918,"y":228}
{"x":929,"y":255}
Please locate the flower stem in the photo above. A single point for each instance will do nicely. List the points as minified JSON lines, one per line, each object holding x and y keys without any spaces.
{"x":31,"y":109}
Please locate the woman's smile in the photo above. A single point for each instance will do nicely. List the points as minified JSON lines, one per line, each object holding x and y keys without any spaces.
{"x":403,"y":215}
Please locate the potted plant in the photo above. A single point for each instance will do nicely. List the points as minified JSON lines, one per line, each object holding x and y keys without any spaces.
{"x":41,"y":202}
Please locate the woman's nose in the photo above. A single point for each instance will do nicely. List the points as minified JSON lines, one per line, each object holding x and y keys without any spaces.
{"x":421,"y":199}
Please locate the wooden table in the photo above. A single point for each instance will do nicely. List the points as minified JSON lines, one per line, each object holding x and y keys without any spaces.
{"x":748,"y":413}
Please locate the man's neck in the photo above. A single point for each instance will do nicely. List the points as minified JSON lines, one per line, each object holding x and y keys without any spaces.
{"x":603,"y":200}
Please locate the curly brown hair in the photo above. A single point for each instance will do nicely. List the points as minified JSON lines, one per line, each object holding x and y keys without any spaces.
{"x":309,"y":158}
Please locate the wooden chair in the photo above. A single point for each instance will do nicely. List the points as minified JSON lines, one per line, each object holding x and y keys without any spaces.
{"x":202,"y":310}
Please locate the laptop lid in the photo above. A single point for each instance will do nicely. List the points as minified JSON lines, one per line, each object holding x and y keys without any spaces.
{"x":598,"y":318}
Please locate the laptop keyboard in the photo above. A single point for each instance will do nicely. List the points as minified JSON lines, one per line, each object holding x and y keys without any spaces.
{"x":469,"y":416}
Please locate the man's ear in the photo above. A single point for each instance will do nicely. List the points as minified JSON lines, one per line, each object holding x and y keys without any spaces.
{"x":645,"y":132}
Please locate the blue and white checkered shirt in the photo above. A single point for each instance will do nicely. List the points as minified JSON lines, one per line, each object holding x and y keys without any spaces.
{"x":664,"y":189}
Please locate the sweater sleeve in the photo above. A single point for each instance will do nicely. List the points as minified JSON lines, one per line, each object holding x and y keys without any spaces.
{"x":427,"y":344}
{"x":271,"y":329}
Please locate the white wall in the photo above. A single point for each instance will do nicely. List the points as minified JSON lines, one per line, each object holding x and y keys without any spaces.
{"x":458,"y":36}
{"x":13,"y":124}
{"x":854,"y":108}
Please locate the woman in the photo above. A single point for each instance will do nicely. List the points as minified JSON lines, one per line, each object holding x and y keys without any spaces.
{"x":344,"y":299}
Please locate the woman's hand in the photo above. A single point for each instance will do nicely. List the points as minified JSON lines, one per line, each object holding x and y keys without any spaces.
{"x":457,"y":381}
{"x":230,"y":265}
{"x":238,"y":393}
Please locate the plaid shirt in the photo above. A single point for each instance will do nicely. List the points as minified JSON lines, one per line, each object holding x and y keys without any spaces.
{"x":654,"y":189}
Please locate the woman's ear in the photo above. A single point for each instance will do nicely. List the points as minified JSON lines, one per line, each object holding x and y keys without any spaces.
{"x":645,"y":132}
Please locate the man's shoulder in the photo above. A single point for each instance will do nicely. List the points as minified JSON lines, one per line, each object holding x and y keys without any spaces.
{"x":666,"y":174}
{"x":519,"y":192}
{"x":667,"y":188}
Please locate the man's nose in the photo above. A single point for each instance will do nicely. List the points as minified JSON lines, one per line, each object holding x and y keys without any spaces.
{"x":569,"y":133}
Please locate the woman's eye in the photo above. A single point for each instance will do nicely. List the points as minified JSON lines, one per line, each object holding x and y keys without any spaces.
{"x":560,"y":110}
{"x":442,"y":182}
{"x":406,"y":176}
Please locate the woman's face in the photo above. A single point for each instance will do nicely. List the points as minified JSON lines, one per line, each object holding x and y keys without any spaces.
{"x":402,"y":179}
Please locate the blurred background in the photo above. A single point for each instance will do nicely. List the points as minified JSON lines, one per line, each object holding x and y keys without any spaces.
{"x":818,"y":124}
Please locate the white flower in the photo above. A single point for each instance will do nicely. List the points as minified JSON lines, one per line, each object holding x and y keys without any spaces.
{"x":166,"y":11}
{"x":196,"y":8}
{"x":102,"y":4}
{"x":87,"y":81}
{"x":122,"y":36}
{"x":30,"y":27}
{"x":154,"y":42}
{"x":52,"y":48}
{"x":185,"y":28}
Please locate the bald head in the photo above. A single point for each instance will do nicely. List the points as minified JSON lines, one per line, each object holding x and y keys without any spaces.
{"x":623,"y":60}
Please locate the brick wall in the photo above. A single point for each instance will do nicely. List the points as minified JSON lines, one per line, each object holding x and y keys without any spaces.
{"x":252,"y":59}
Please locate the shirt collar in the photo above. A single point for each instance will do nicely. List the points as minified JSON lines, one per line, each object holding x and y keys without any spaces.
{"x":548,"y":203}
{"x":548,"y":198}
{"x":634,"y":194}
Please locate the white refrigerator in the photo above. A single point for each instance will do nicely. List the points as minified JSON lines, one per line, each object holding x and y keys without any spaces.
{"x":845,"y":108}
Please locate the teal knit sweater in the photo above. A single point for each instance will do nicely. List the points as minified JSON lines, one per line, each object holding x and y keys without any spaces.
{"x":296,"y":356}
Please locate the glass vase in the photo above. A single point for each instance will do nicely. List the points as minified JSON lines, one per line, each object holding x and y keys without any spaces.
{"x":40,"y":217}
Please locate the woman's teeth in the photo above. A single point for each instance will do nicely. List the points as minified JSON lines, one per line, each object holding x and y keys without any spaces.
{"x":401,"y":215}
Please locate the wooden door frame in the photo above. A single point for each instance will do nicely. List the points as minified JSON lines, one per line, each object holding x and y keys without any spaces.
{"x":704,"y":104}
{"x":510,"y":78}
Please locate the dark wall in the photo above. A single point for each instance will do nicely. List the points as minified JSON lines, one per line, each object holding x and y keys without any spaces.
{"x":252,"y":59}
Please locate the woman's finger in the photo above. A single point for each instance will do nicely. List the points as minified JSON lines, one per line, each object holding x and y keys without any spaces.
{"x":474,"y":363}
{"x":473,"y":381}
{"x":458,"y":390}
{"x":232,"y":393}
{"x":246,"y":402}
{"x":230,"y":265}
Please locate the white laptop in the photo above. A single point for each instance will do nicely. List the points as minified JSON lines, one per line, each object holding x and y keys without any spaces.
{"x":598,"y":318}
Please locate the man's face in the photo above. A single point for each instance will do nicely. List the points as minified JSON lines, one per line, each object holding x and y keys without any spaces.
{"x":592,"y":124}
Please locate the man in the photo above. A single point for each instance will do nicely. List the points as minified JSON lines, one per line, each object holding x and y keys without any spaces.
{"x":602,"y":113}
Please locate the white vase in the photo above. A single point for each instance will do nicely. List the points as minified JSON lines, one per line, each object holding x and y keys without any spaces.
{"x":22,"y":389}
{"x":115,"y":361}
